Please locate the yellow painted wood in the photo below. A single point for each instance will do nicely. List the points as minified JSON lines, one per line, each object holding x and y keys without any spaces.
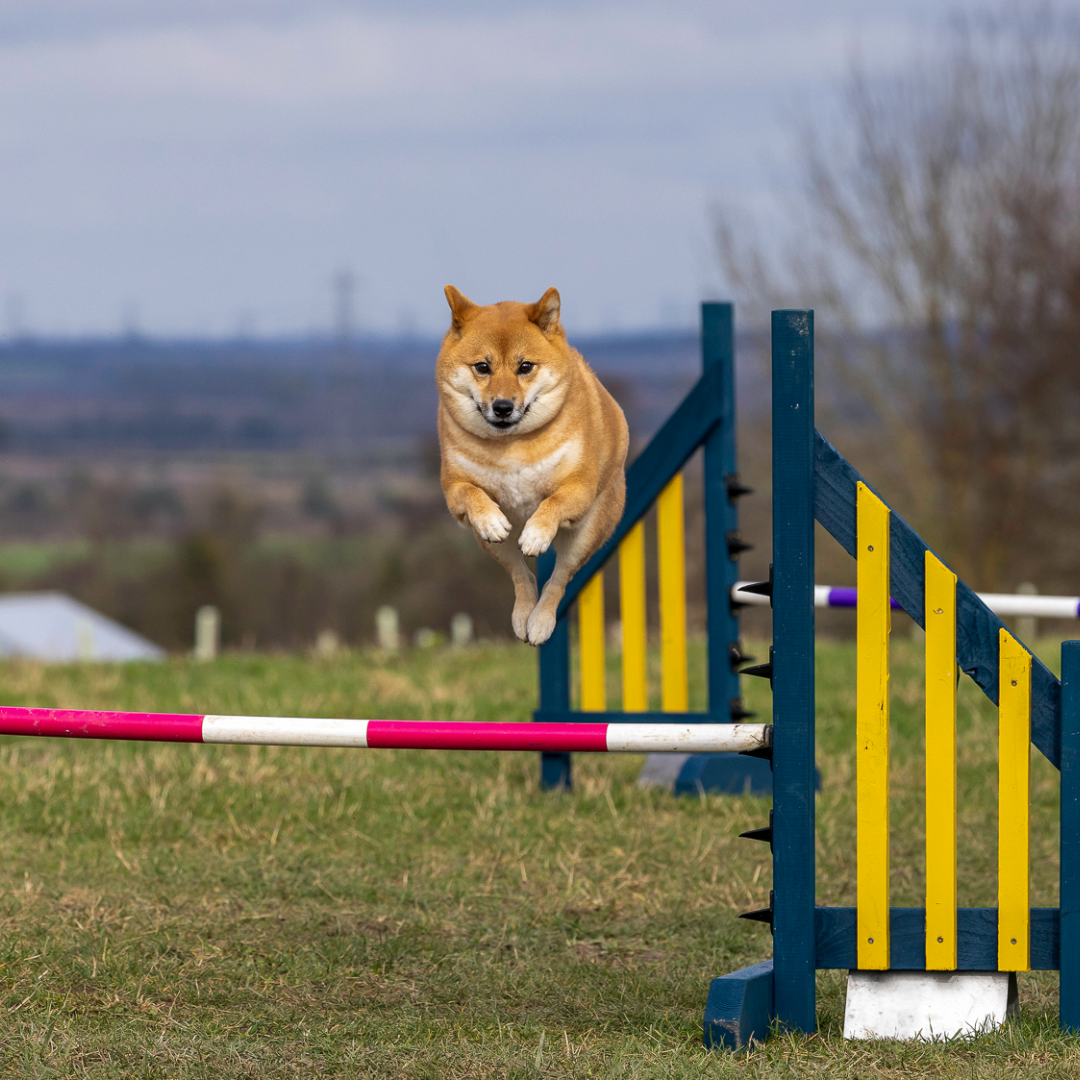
{"x":1014,"y":782}
{"x":591,"y":637}
{"x":635,"y":680}
{"x":941,"y":674}
{"x":873,"y":622}
{"x":670,"y":544}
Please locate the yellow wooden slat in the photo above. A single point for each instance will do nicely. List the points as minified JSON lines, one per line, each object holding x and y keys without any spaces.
{"x":873,"y":622}
{"x":674,"y":691}
{"x":1014,"y":782}
{"x":635,"y":680}
{"x":591,"y":636}
{"x":941,"y":674}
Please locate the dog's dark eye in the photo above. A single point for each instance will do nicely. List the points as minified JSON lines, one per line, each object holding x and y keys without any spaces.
{"x":525,"y":367}
{"x":483,"y":368}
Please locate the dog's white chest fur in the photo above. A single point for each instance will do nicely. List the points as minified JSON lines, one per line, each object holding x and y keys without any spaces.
{"x":519,"y":487}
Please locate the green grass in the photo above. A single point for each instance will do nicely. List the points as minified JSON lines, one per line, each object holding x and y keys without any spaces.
{"x":27,"y":560}
{"x":24,"y":561}
{"x":177,"y":911}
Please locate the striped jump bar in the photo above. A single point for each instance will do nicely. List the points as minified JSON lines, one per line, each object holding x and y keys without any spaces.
{"x":388,"y":734}
{"x":1037,"y":607}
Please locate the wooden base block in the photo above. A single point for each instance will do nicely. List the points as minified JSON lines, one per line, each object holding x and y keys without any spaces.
{"x":739,"y":1009}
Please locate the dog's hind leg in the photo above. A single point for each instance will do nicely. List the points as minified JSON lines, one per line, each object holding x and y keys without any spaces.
{"x":509,"y":556}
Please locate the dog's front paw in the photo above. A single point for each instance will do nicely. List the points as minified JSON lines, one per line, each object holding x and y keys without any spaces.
{"x":535,"y":539}
{"x":541,"y":624}
{"x":491,"y":526}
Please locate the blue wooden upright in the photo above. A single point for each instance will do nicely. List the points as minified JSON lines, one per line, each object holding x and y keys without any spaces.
{"x":1069,"y":898}
{"x":793,"y":668}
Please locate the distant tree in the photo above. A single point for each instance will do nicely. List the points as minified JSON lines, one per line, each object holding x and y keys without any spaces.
{"x":942,"y":237}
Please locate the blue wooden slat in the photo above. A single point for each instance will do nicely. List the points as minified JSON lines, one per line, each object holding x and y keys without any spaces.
{"x":976,"y":625}
{"x":1070,"y":836}
{"x":976,"y":930}
{"x":554,"y":684}
{"x":665,"y":455}
{"x":793,"y":668}
{"x":721,"y":513}
{"x":740,"y":1008}
{"x":724,"y":774}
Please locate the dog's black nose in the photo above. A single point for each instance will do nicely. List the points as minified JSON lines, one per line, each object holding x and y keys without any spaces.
{"x":502,"y":407}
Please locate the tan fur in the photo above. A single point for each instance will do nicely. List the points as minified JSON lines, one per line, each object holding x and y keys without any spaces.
{"x":553,"y":472}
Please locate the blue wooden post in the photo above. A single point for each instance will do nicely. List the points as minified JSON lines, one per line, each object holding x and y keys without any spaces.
{"x":721,"y":514}
{"x":793,"y":669}
{"x":554,"y":683}
{"x":1070,"y":837}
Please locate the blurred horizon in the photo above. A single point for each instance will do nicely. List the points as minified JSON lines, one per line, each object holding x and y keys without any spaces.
{"x":292,"y":484}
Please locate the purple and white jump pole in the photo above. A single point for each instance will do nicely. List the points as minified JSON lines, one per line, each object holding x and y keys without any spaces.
{"x":1036,"y":607}
{"x":387,"y":734}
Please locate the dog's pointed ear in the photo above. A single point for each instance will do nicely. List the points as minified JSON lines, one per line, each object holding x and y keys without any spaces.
{"x":545,"y":312}
{"x":461,"y":307}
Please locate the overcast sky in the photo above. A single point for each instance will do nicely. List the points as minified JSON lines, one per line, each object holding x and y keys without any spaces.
{"x":207,"y":167}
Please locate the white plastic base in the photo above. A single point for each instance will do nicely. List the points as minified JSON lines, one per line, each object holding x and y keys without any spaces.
{"x":927,"y":1005}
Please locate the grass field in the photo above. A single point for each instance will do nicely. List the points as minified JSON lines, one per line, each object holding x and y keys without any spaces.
{"x":178,"y":911}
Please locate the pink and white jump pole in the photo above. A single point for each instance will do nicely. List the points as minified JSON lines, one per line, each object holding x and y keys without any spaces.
{"x":388,"y":734}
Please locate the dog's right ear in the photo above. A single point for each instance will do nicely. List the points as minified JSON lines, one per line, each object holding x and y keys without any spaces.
{"x":461,"y":307}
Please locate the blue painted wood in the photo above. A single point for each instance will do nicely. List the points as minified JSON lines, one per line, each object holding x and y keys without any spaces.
{"x":976,"y":945}
{"x":1070,"y":836}
{"x":976,"y":625}
{"x":728,"y":774}
{"x":724,"y":774}
{"x":555,"y":769}
{"x":721,"y":513}
{"x":793,"y":667}
{"x":667,"y":452}
{"x":739,"y":1008}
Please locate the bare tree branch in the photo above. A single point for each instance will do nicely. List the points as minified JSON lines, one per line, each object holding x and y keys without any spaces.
{"x":944,"y":255}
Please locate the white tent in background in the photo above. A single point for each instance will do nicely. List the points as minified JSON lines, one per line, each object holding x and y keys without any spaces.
{"x":52,"y":626}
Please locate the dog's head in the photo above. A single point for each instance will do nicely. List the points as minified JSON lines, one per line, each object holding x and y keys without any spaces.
{"x":504,"y":369}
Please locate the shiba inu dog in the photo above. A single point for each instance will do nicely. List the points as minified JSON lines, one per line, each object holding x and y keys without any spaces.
{"x":533,"y":447}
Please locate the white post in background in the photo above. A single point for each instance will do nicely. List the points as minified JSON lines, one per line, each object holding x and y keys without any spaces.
{"x":1027,"y":626}
{"x":327,"y":645}
{"x":84,"y":639}
{"x":386,"y":628}
{"x":461,"y":630}
{"x":207,"y":632}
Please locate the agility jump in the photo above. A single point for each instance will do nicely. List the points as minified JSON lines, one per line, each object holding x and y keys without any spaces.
{"x":813,"y":482}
